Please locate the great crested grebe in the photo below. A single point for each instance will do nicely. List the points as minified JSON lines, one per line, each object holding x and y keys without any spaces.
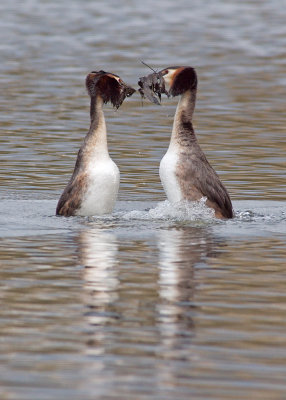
{"x":185,"y":172}
{"x":93,"y":187}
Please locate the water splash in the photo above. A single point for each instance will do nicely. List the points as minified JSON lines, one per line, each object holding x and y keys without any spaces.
{"x":260,"y":215}
{"x":181,"y":211}
{"x":246,"y":215}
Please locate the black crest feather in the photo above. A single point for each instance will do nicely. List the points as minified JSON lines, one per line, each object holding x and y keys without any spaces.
{"x":184,"y":80}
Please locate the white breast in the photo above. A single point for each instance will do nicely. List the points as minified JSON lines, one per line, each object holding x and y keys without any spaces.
{"x":103,"y":184}
{"x":168,"y":177}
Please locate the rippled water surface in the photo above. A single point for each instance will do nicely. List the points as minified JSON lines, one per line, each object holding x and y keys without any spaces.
{"x":153,"y":301}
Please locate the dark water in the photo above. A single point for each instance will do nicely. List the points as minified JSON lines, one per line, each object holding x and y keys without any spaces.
{"x":151,"y":302}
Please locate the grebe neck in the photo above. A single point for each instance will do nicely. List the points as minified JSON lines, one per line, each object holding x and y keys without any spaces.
{"x":96,"y":137}
{"x":183,"y":134}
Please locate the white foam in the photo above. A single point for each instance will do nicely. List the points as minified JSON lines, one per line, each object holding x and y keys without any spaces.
{"x":261,"y":216}
{"x":181,"y":211}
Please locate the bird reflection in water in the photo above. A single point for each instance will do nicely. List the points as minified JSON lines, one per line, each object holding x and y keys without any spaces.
{"x":140,"y":304}
{"x":98,"y":254}
{"x":181,"y":249}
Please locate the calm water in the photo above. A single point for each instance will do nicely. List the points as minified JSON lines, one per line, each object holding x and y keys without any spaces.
{"x":151,"y":302}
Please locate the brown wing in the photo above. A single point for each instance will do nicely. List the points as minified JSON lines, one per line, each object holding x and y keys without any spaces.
{"x":71,"y":197}
{"x":199,"y":179}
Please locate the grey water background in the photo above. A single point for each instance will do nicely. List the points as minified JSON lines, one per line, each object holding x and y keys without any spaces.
{"x":151,"y":302}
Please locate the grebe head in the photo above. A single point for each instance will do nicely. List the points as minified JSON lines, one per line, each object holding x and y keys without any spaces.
{"x":179,"y":79}
{"x":108,"y":86}
{"x":173,"y":81}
